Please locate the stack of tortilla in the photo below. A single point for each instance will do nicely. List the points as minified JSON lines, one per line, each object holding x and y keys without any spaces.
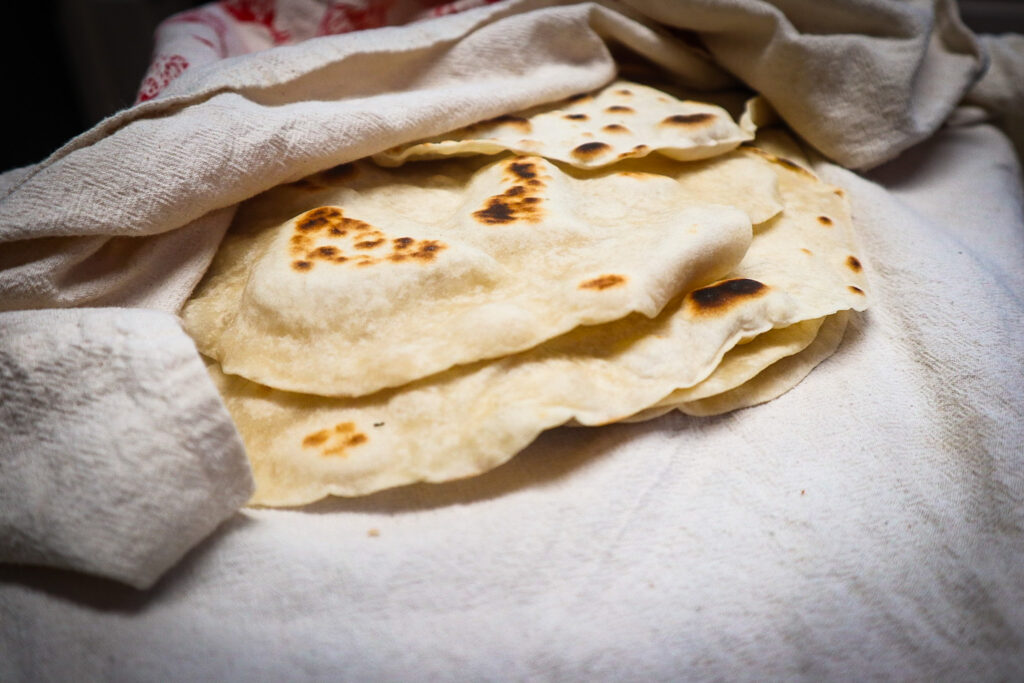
{"x":425,"y":314}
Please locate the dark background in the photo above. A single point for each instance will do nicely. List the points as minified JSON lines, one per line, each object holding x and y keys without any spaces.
{"x":70,"y":63}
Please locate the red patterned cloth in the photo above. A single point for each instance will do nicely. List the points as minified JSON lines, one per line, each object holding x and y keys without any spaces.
{"x":228,"y":28}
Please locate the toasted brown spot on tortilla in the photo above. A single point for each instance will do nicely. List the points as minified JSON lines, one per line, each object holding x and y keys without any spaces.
{"x":338,"y":232}
{"x":793,"y":166}
{"x":640,"y":148}
{"x":590,"y":150}
{"x":496,"y":211}
{"x":603,"y":282}
{"x":855,"y":290}
{"x":523,"y":169}
{"x":615,"y":128}
{"x":806,"y":251}
{"x":853,"y":263}
{"x":356,"y":224}
{"x":344,"y":437}
{"x":839,"y":192}
{"x":318,"y":218}
{"x":582,"y":97}
{"x":623,"y":91}
{"x":397,"y":257}
{"x":315,"y":439}
{"x":723,"y":295}
{"x":825,"y":220}
{"x":403,"y":242}
{"x":508,"y":119}
{"x":619,"y":109}
{"x":326,"y":252}
{"x":302,"y":265}
{"x":517,"y":203}
{"x":688,"y":119}
{"x":427,"y":250}
{"x":576,"y":117}
{"x":369,"y":244}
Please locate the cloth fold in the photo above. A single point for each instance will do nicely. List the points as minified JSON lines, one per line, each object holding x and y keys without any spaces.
{"x":117,"y":454}
{"x":1001,"y":91}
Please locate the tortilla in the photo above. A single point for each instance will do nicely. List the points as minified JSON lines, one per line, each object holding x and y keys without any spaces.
{"x":471,"y":418}
{"x":756,"y":372}
{"x":388,"y":276}
{"x":777,"y":378}
{"x":622,"y":121}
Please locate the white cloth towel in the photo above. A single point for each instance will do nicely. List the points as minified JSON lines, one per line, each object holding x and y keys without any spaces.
{"x":868,"y":525}
{"x":129,"y":214}
{"x":117,"y":455}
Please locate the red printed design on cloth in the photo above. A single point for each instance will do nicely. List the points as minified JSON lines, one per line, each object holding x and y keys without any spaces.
{"x":164,"y":70}
{"x":208,"y":19}
{"x":459,"y":6}
{"x":340,"y":16}
{"x":343,"y":16}
{"x":258,"y":12}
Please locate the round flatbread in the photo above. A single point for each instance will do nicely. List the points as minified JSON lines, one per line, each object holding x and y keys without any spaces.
{"x":625,"y":120}
{"x":386,"y":276}
{"x":800,"y":267}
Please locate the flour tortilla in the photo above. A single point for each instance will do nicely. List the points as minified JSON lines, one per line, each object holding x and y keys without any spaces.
{"x":384,"y":277}
{"x":472,"y":418}
{"x":622,"y":121}
{"x":777,"y":378}
{"x":763,"y":369}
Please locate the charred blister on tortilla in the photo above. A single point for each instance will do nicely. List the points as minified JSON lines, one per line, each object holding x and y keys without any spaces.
{"x":335,"y":441}
{"x":603,"y":282}
{"x":590,"y":150}
{"x":522,"y":201}
{"x":720,"y":297}
{"x":329,"y":224}
{"x":517,"y":122}
{"x":700,"y":118}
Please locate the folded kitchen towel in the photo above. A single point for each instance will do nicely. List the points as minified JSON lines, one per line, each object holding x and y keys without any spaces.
{"x":116,"y":455}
